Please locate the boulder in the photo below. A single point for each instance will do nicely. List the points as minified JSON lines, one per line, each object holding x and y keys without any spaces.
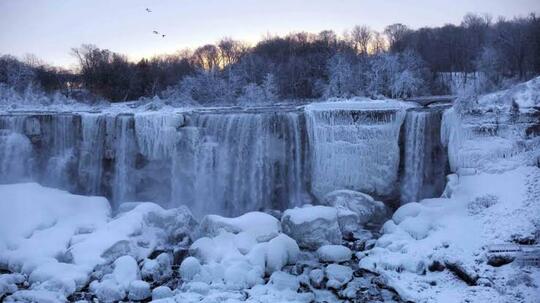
{"x":316,"y":277}
{"x":312,"y":226}
{"x":139,"y":290}
{"x":261,"y":226}
{"x":161,"y":292}
{"x":334,"y":253}
{"x":463,"y":271}
{"x":338,"y":276}
{"x":189,"y":268}
{"x":367,"y":209}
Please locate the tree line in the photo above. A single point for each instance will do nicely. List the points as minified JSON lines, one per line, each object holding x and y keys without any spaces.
{"x":399,"y":62}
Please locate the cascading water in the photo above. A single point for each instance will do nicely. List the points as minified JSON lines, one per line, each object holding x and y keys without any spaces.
{"x":91,"y":151}
{"x":227,"y":161}
{"x":424,"y":158}
{"x":124,"y":158}
{"x":16,"y":157}
{"x":61,"y":142}
{"x":237,"y":161}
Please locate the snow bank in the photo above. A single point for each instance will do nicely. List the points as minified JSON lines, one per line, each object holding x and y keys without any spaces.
{"x":483,"y":209}
{"x":494,"y":132}
{"x":57,"y":238}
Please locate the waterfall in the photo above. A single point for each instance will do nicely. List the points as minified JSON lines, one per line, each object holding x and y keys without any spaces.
{"x":229,"y":161}
{"x":424,"y":158}
{"x":124,"y":158}
{"x":61,"y":142}
{"x":157,"y":133}
{"x":16,"y":157}
{"x":91,"y":153}
{"x":354,"y":148}
{"x":233,"y":162}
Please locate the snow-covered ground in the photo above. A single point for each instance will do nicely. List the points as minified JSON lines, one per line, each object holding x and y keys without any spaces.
{"x":56,"y":246}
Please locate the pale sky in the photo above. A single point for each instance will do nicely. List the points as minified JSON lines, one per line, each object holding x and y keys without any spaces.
{"x":50,"y":28}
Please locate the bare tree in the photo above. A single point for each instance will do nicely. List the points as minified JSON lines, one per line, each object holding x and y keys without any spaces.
{"x":361,"y":38}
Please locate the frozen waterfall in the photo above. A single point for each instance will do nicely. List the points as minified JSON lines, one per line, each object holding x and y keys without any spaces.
{"x":229,"y":160}
{"x":354,"y":148}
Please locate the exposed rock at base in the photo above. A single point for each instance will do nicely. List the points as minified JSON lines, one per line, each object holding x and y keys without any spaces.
{"x":363,"y":205}
{"x":462,"y":271}
{"x":312,"y":226}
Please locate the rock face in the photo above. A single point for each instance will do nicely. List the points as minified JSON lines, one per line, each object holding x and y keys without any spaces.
{"x":363,"y":205}
{"x":312,"y":226}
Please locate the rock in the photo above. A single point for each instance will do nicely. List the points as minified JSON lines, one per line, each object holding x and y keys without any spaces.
{"x":436,"y":266}
{"x":117,"y":250}
{"x":462,"y":271}
{"x":159,"y":269}
{"x":338,"y":276}
{"x":8,"y":283}
{"x":139,"y":290}
{"x":161,"y":292}
{"x":334,"y":253}
{"x":316,"y":277}
{"x":189,"y":268}
{"x":348,"y":222}
{"x":281,"y":250}
{"x":261,"y":226}
{"x":125,"y":271}
{"x":367,"y":209}
{"x":312,"y":226}
{"x":108,"y":291}
{"x":284,"y":281}
{"x":499,"y":260}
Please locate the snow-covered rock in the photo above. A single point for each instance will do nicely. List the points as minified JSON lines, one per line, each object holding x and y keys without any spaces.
{"x":312,"y":226}
{"x":281,"y":251}
{"x":161,"y":292}
{"x":139,"y":290}
{"x":334,"y":253}
{"x":284,"y":281}
{"x":445,"y":238}
{"x":189,"y":268}
{"x":316,"y":277}
{"x":338,"y":275}
{"x":363,"y":205}
{"x":8,"y":283}
{"x":108,"y":290}
{"x":125,"y":271}
{"x":261,"y":226}
{"x":157,"y":269}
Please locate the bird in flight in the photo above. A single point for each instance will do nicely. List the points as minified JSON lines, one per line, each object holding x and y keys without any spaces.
{"x":148,"y":10}
{"x":163,"y":36}
{"x":155,"y":32}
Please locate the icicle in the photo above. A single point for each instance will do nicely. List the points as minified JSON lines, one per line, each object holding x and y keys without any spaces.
{"x":157,"y":133}
{"x":354,"y":148}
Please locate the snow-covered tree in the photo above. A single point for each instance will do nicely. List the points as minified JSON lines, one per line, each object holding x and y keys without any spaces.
{"x":270,"y":88}
{"x":341,"y":79}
